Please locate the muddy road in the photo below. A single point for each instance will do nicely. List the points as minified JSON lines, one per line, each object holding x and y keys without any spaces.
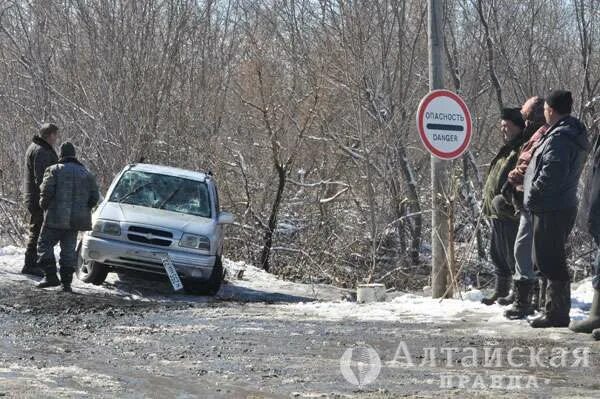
{"x":120,"y":344}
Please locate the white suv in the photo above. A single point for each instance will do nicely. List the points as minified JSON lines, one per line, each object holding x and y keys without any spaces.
{"x":151,"y":211}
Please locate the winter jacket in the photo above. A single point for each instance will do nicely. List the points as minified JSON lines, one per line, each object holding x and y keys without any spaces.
{"x":504,"y":162}
{"x":512,"y":192}
{"x":68,"y":194}
{"x":552,"y":176}
{"x":593,"y":190}
{"x":517,"y":175}
{"x":40,"y":155}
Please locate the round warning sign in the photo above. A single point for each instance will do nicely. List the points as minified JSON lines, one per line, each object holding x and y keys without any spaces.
{"x":444,"y":124}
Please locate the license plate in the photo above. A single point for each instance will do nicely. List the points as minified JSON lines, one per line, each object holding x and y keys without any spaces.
{"x":171,"y":272}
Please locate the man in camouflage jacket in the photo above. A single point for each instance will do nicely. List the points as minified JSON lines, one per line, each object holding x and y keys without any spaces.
{"x":504,"y":222}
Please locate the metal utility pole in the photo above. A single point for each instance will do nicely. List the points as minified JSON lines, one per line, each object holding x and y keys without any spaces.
{"x":439,"y":168}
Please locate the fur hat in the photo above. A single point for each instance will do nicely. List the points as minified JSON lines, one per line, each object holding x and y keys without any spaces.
{"x":47,"y":129}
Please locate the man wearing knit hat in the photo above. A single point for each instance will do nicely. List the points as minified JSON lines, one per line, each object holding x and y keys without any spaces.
{"x":68,"y":194}
{"x":501,"y":213}
{"x":550,"y":194}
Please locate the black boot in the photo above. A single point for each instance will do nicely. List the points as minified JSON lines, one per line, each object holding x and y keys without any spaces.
{"x":593,"y":321}
{"x":596,"y":334}
{"x":543,"y":293}
{"x":521,"y":308}
{"x":66,"y":278}
{"x":558,"y":306}
{"x":51,"y":280}
{"x":535,"y":301}
{"x":509,"y":299}
{"x":31,"y":267}
{"x":501,"y":289}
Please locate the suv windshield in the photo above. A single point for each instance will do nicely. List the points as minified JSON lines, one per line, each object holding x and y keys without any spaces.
{"x":170,"y":193}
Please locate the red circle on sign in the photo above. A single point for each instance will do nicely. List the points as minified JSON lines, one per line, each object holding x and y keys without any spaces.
{"x":421,"y":113}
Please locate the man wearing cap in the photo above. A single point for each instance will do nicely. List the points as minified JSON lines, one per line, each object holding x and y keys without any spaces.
{"x":550,"y":194}
{"x":501,"y":213}
{"x":39,"y":156}
{"x":67,"y":196}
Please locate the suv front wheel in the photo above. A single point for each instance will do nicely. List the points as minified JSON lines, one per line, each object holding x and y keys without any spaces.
{"x":90,"y":271}
{"x":208,"y":287}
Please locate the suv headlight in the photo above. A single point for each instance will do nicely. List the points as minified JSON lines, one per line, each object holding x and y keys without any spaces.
{"x":106,"y":227}
{"x":195,"y":242}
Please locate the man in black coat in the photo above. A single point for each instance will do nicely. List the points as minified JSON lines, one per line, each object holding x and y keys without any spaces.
{"x":40,"y":155}
{"x":550,"y":191}
{"x":67,"y":195}
{"x":592,"y":323}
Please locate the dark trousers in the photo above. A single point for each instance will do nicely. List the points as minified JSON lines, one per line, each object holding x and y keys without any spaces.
{"x":68,"y":250}
{"x":36,"y":219}
{"x":596,"y":278}
{"x":550,"y":233}
{"x":502,"y":246}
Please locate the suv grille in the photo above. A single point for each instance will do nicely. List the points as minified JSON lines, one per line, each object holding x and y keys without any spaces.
{"x":152,"y":241}
{"x":150,"y":236}
{"x":146,"y":230}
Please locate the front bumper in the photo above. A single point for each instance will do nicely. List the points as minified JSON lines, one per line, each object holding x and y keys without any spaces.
{"x":126,"y":255}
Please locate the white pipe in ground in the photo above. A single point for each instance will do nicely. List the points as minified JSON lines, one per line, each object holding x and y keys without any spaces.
{"x":367,"y":293}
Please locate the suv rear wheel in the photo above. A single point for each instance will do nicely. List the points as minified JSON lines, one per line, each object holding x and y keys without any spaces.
{"x":208,"y":287}
{"x":90,"y":271}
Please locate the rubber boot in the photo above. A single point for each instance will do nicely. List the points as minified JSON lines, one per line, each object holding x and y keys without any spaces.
{"x":535,"y":298}
{"x":592,"y":322}
{"x":543,"y":293}
{"x":31,"y":267}
{"x":66,"y":278}
{"x":501,"y":289}
{"x":596,"y":334}
{"x":509,"y":299}
{"x":558,"y":306}
{"x":522,"y":306}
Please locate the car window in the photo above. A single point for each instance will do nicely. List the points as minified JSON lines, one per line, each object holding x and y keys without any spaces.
{"x":217,"y":204}
{"x":170,"y":193}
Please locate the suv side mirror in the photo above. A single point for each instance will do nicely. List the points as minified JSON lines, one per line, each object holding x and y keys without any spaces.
{"x":225,"y":218}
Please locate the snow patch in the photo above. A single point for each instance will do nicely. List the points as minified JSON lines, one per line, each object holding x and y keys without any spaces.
{"x":406,"y":307}
{"x":12,"y":251}
{"x":54,"y":377}
{"x":582,"y":295}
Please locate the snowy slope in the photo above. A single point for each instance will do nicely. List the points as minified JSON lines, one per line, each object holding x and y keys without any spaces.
{"x":255,"y":286}
{"x":312,"y":301}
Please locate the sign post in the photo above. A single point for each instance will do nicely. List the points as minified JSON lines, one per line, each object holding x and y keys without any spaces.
{"x":445,"y":128}
{"x":438,"y":134}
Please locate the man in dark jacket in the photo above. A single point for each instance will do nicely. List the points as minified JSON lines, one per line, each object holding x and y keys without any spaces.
{"x":68,"y":194}
{"x":592,"y":323}
{"x":40,"y":155}
{"x":550,"y":188}
{"x":504,"y":223}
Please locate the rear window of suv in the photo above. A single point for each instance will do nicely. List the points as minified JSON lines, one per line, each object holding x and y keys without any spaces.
{"x":171,"y":193}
